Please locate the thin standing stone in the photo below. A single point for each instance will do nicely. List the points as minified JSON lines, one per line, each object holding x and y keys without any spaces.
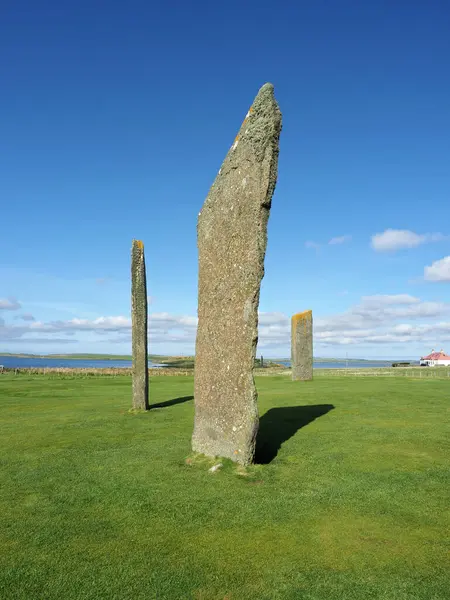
{"x":302,"y":346}
{"x":139,"y":319}
{"x":232,"y":239}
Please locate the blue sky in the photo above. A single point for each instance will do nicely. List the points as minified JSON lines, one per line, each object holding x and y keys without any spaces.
{"x":115,"y":118}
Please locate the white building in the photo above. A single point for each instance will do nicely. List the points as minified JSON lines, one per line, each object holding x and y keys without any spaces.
{"x":435,"y":359}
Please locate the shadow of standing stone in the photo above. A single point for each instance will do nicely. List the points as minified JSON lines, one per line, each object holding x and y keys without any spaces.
{"x":232,"y":239}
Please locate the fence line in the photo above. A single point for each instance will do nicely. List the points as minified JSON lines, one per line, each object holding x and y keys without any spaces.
{"x":412,"y":373}
{"x":91,"y":372}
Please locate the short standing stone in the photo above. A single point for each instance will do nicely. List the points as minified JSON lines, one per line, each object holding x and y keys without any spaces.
{"x":139,"y":326}
{"x":302,"y":346}
{"x":232,"y":238}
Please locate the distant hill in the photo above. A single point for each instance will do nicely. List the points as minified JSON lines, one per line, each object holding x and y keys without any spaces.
{"x":158,"y":358}
{"x":338,"y":360}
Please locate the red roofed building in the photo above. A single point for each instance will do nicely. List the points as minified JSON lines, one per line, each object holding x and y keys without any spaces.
{"x":435,"y":359}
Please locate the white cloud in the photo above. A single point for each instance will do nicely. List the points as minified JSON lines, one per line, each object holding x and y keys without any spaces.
{"x":397,"y":239}
{"x":162,"y":327}
{"x":41,"y":340}
{"x":378,"y":300}
{"x":439,"y":270}
{"x":340,"y":240}
{"x":313,"y":245}
{"x":25,"y":317}
{"x":375,"y":320}
{"x":379,"y":309}
{"x":9,"y":304}
{"x":332,"y":242}
{"x":391,"y":320}
{"x":271,"y":318}
{"x":162,"y":320}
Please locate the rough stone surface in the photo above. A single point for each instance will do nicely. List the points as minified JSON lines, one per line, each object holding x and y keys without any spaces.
{"x":232,"y":238}
{"x":139,"y":326}
{"x":302,"y":346}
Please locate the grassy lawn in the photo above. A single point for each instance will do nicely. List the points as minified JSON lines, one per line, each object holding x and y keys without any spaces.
{"x":349,"y":501}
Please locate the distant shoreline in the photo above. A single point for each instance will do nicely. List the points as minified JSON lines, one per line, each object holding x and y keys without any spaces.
{"x":169,"y":359}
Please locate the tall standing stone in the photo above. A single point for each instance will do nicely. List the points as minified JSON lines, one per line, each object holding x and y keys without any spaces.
{"x":302,"y":346}
{"x":139,"y":326}
{"x":232,"y":239}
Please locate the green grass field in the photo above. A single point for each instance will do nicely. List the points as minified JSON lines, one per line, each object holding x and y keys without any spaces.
{"x":349,"y":501}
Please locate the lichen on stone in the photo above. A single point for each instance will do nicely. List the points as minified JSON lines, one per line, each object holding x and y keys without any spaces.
{"x":302,"y":346}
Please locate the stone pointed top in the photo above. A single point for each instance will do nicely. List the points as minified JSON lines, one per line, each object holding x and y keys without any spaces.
{"x":302,"y":315}
{"x":257,"y":139}
{"x":265,"y":90}
{"x":137,"y":247}
{"x":262,"y":123}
